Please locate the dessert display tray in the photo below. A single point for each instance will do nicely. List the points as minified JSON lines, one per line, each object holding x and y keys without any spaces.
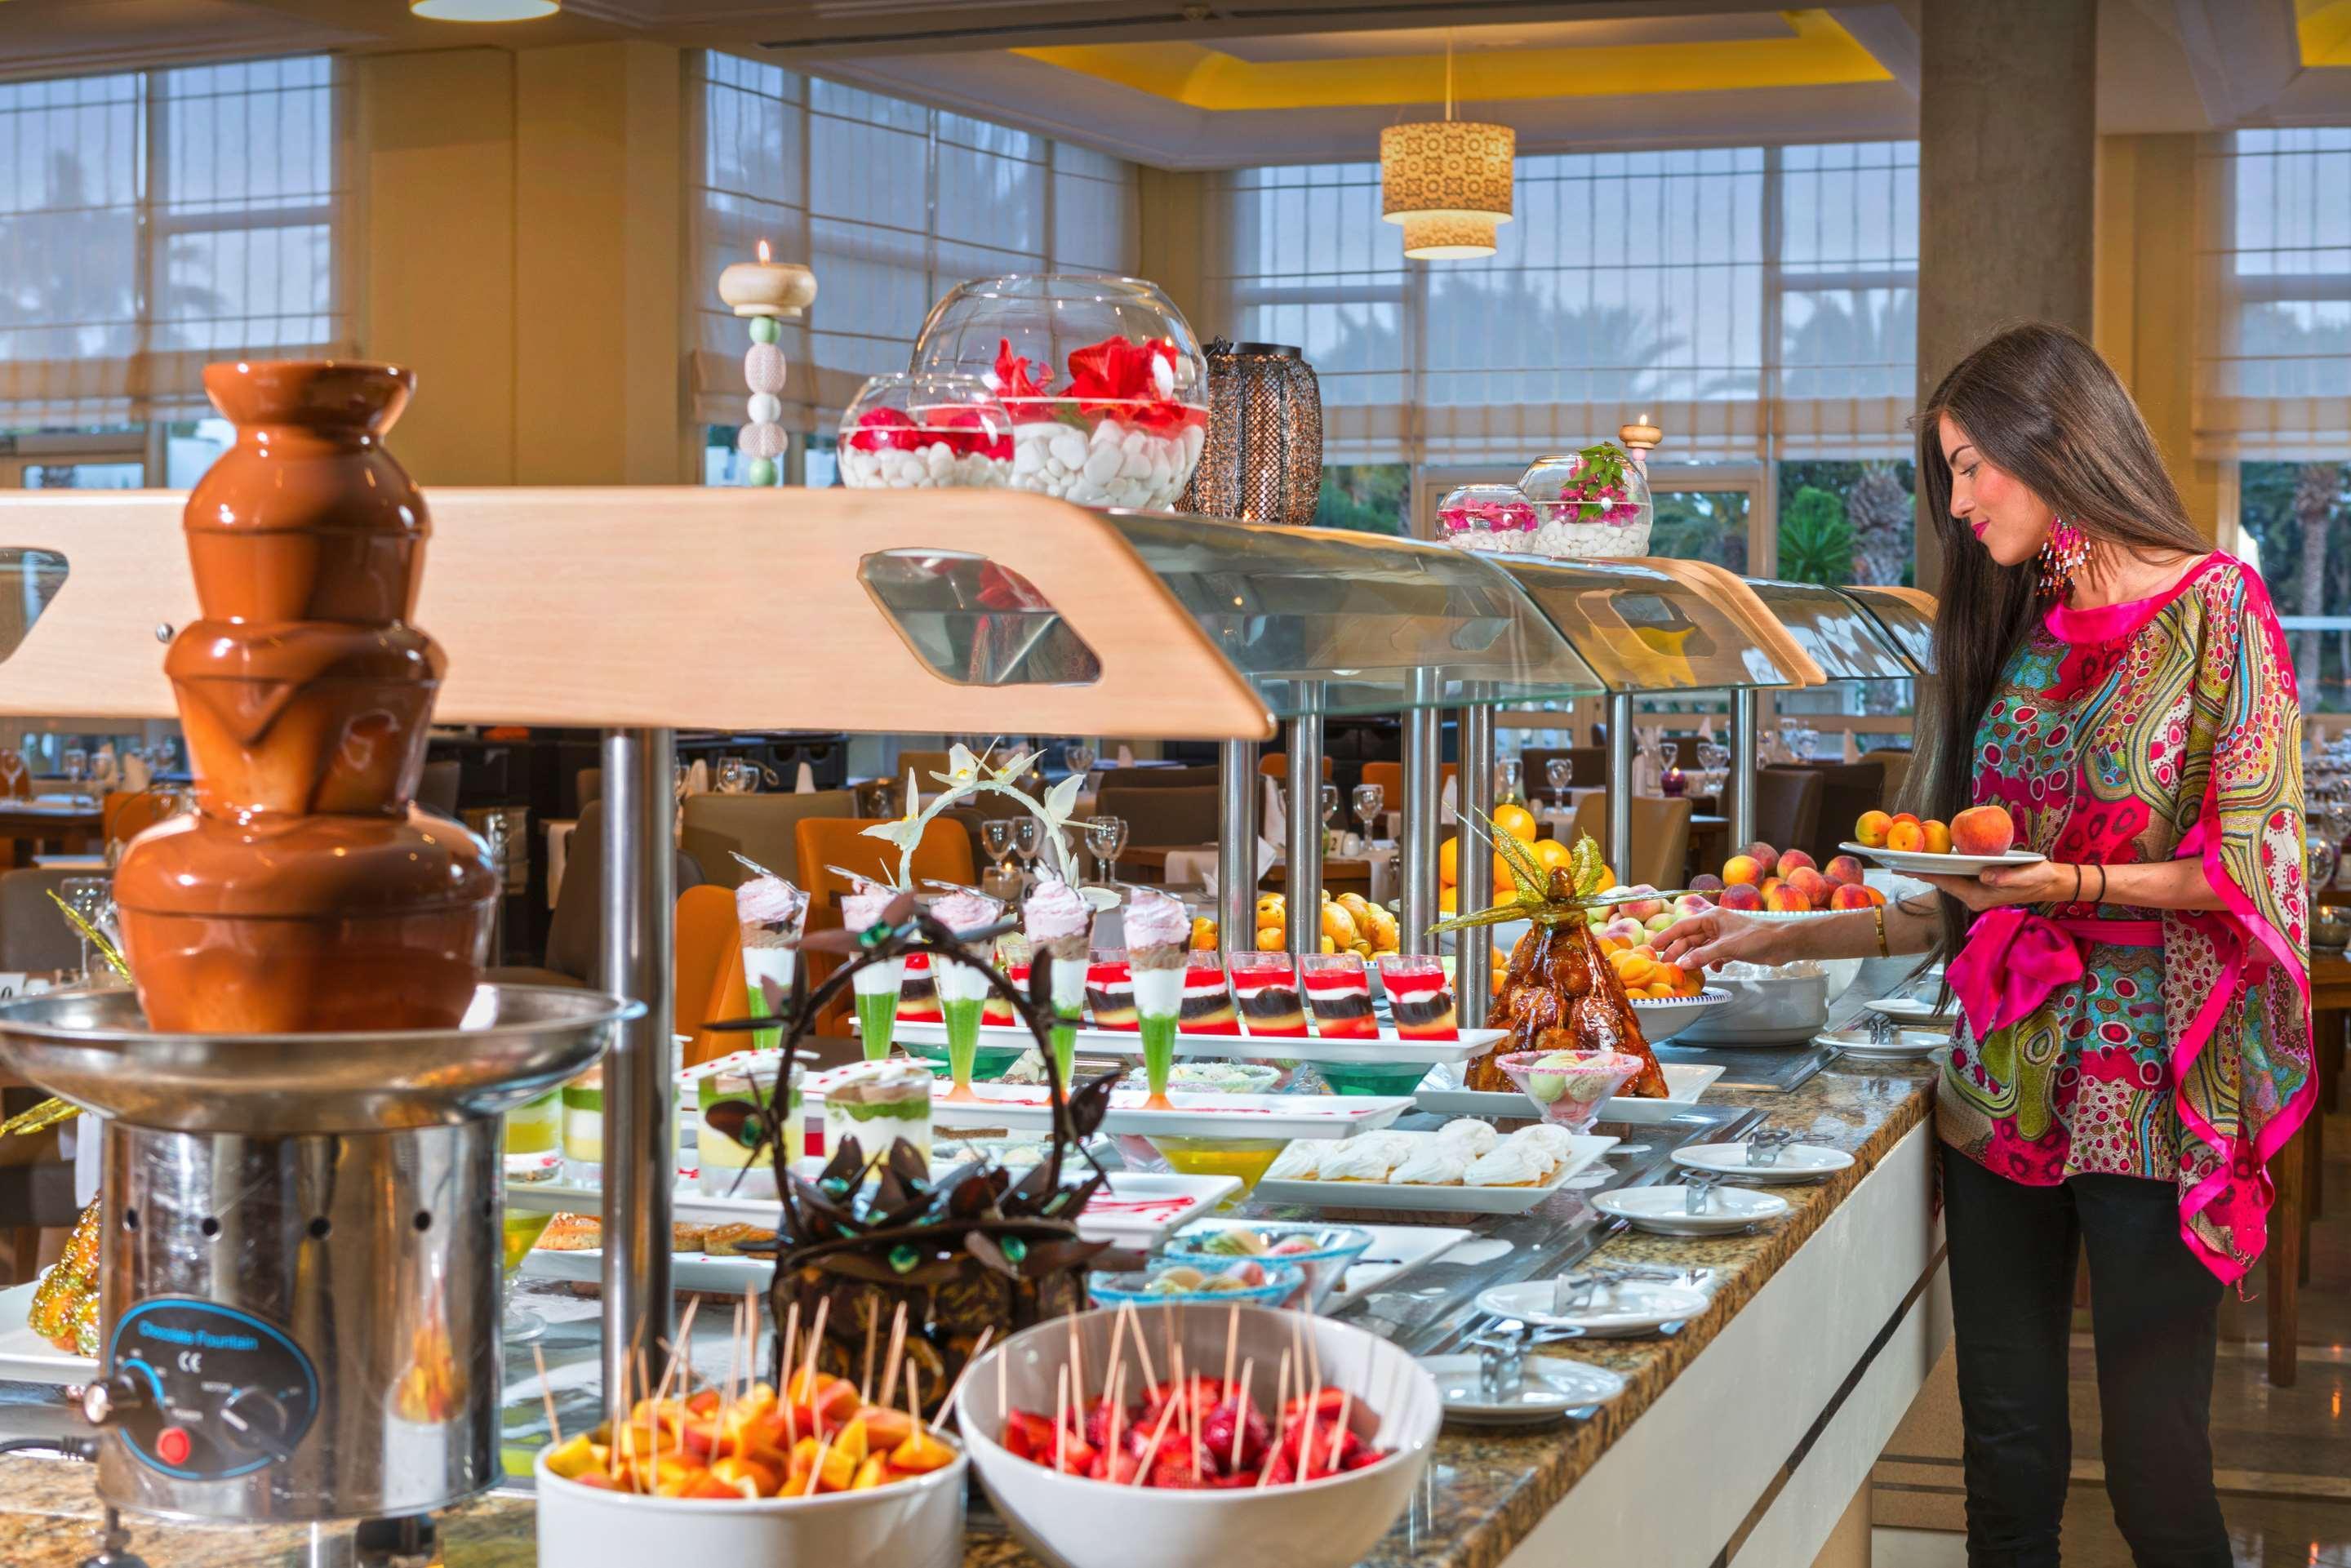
{"x":1389,"y":1050}
{"x":1396,"y":1250}
{"x":1429,"y":1198}
{"x":1024,"y":1108}
{"x":1684,"y":1084}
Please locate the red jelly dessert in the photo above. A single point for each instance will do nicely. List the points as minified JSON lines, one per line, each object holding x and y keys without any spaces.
{"x":918,"y":993}
{"x":1208,"y":1007}
{"x":1420,"y":997}
{"x":1266,"y":986}
{"x":1110,"y":989}
{"x":1339,"y":992}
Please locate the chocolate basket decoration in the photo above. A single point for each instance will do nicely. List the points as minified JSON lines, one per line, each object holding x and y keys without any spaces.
{"x":972,"y":1250}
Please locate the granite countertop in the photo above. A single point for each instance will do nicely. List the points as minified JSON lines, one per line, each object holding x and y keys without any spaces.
{"x":1484,"y":1492}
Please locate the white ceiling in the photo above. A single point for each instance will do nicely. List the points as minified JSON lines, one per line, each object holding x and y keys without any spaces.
{"x":2163,"y":65}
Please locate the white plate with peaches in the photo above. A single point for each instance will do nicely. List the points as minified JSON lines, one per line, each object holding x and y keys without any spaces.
{"x":1977,"y":840}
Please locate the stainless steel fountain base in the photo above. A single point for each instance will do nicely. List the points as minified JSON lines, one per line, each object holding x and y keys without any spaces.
{"x":301,"y":1248}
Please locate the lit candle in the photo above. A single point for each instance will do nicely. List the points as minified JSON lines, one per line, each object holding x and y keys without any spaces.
{"x":765,"y":287}
{"x":1639,"y":437}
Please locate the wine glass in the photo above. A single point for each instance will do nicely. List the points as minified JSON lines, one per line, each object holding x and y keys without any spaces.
{"x":1559,"y":772}
{"x":996,"y":837}
{"x":1509,"y":779}
{"x":1106,"y":836}
{"x":1370,"y":800}
{"x":91,"y":898}
{"x":681,"y":779}
{"x":1078,"y":758}
{"x":1027,"y":842}
{"x":1808,"y":743}
{"x":76,"y":764}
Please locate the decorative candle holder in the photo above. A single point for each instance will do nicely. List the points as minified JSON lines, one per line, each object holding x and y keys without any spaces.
{"x":766,"y":292}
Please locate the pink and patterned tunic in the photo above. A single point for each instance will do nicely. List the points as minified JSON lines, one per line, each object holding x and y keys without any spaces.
{"x":2165,"y":1044}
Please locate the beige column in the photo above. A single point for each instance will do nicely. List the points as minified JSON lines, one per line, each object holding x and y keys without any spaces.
{"x":1171,"y":244}
{"x":2007,"y":168}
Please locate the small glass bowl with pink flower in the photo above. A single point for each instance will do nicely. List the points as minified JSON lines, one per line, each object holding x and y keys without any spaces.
{"x":925,"y":431}
{"x":1485,"y":517}
{"x":1589,"y":505}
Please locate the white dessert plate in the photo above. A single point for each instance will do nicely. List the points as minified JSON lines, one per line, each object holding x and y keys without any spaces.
{"x":1428,"y":1199}
{"x":1797,"y":1163}
{"x":1684,"y":1084}
{"x":1662,"y":1018}
{"x":1911,"y":1010}
{"x":1388,"y":1050}
{"x":1632,"y":1307}
{"x":1138,"y":1211}
{"x":1549,"y":1386}
{"x":1025,"y":1107}
{"x":1903,"y":1045}
{"x":1665,"y":1210}
{"x":1917,"y":861}
{"x":25,"y":1356}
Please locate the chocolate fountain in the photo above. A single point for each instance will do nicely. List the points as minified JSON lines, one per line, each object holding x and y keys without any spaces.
{"x":301,"y":1148}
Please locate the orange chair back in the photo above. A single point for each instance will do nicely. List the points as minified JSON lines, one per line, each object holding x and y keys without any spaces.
{"x":125,"y":814}
{"x":1275,"y":764}
{"x":1389,"y":777}
{"x":708,"y":944}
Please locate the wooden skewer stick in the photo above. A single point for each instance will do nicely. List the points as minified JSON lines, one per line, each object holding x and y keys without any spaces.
{"x":1339,"y":1433}
{"x":1142,"y":1466}
{"x":1133,"y":1320}
{"x":1077,"y":1365}
{"x":914,"y":1395}
{"x":865,"y":1382}
{"x":897,"y":1350}
{"x":784,"y":1373}
{"x":954,"y":1389}
{"x":1306,"y":1438}
{"x":1232,"y":1342}
{"x":1117,"y":1397}
{"x":644,"y":1385}
{"x":815,"y":1471}
{"x":1281,"y":1398}
{"x":554,"y":1427}
{"x":808,"y":1366}
{"x":1192,"y":1419}
{"x":1061,"y":1423}
{"x":1240,"y":1412}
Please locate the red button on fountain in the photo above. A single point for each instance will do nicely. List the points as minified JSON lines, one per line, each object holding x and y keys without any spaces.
{"x":171,"y":1446}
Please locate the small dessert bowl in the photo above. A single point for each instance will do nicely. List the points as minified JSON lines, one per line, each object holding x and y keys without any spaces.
{"x":1569,"y":1085}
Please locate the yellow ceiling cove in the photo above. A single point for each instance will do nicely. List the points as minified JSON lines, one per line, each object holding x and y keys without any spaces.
{"x":1815,"y":53}
{"x":2325,"y":26}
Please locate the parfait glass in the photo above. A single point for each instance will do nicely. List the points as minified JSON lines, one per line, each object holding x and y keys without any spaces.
{"x":876,"y":985}
{"x":533,"y":1132}
{"x":1509,"y":783}
{"x":1329,"y":799}
{"x":1106,"y":836}
{"x":1560,"y":773}
{"x":1370,"y":800}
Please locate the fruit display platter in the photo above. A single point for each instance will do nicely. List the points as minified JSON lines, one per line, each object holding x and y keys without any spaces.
{"x":1919,"y":862}
{"x":1138,"y":1211}
{"x":1685,"y":1081}
{"x":1390,"y":1050}
{"x":1438,"y":1198}
{"x":1025,"y":1108}
{"x":1978,"y":839}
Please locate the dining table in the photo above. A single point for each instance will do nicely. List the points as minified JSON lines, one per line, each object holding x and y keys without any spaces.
{"x":66,"y":824}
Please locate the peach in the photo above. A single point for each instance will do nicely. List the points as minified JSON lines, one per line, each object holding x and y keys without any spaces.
{"x":1706,"y":882}
{"x":1787,"y":899}
{"x":1843,"y":869}
{"x":1692,"y":903}
{"x":1876,"y":899}
{"x":1938,"y":837}
{"x":1906,"y":838}
{"x":1644,"y":903}
{"x":1764,"y":855}
{"x":1811,"y":884}
{"x":1662,"y":920}
{"x":1795,"y":861}
{"x":1742,"y":895}
{"x":1849,"y":895}
{"x":1770,"y":883}
{"x":1742,"y":871}
{"x":1871,"y":830}
{"x":1983,"y":831}
{"x":1625,"y":931}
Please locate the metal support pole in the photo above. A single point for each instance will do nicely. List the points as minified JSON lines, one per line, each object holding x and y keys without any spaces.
{"x":1236,"y":847}
{"x":1304,"y":863}
{"x":1620,"y":784}
{"x":640,"y":1166}
{"x":1473,"y":979}
{"x":1424,"y":795}
{"x":1742,"y":768}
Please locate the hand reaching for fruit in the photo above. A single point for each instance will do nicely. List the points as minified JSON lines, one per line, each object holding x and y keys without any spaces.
{"x":1723,"y":936}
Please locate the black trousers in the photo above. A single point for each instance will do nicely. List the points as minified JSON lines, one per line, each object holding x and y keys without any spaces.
{"x":2152,"y":1308}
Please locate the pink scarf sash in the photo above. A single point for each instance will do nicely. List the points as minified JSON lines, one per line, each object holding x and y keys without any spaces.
{"x":2014,"y":958}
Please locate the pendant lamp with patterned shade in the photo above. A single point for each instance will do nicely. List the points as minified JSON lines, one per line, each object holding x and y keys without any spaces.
{"x":1447,"y":182}
{"x":1263,"y":460}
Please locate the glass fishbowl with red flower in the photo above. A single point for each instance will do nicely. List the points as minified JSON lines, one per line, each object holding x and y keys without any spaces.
{"x":1589,"y":505}
{"x":1485,"y":517}
{"x":1104,"y":383}
{"x":908,"y":432}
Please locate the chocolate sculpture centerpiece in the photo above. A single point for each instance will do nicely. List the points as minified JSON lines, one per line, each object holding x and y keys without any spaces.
{"x":307,"y":893}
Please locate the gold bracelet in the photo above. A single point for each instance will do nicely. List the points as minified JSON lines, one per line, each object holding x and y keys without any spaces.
{"x":1878,"y":910}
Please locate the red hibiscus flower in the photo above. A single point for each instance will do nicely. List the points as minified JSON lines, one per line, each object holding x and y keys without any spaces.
{"x":1023,"y":398}
{"x":1129,"y":382}
{"x":885,"y":428}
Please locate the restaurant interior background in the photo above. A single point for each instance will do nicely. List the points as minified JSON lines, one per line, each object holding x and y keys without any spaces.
{"x":1731,"y":219}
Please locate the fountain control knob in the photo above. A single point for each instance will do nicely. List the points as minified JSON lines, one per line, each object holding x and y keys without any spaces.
{"x":110,"y":1398}
{"x":255,"y":1421}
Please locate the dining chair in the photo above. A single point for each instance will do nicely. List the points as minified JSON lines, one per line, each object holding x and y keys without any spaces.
{"x":925,"y":764}
{"x":437,"y":790}
{"x":1389,"y":777}
{"x":1660,"y":838}
{"x":1847,"y":789}
{"x":34,"y":935}
{"x":709,"y":949}
{"x":765,"y":828}
{"x":1787,"y":806}
{"x":944,"y":855}
{"x":575,"y":932}
{"x":1159,"y":778}
{"x":1895,"y":760}
{"x":1591,"y":767}
{"x":1275,"y":764}
{"x":1163,"y":819}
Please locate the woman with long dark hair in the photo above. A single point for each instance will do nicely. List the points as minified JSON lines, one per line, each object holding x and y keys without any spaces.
{"x":2133,"y":1040}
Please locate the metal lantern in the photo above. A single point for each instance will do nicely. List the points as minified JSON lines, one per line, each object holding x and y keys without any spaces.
{"x":1263,"y":462}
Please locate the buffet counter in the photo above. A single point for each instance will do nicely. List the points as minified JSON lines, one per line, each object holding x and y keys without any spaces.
{"x":1742,"y":1437}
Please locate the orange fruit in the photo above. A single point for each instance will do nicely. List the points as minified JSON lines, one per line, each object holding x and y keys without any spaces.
{"x":1503,"y":880}
{"x":1551,"y":854}
{"x":1448,"y":862}
{"x":1516,"y":822}
{"x":1448,"y":899}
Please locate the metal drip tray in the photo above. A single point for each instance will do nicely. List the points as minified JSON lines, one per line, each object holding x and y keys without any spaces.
{"x":515,"y":1042}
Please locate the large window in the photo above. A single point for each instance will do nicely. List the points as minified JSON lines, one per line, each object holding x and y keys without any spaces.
{"x":152,"y":222}
{"x":892,"y":204}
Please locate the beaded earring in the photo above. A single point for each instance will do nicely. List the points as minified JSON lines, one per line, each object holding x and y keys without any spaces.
{"x":2061,"y":555}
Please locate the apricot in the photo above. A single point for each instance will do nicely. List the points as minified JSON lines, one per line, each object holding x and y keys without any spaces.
{"x":1849,"y":895}
{"x":1906,"y":838}
{"x":1669,"y":977}
{"x":1843,"y":870}
{"x":1742,"y":895}
{"x":1742,"y":871}
{"x":1938,"y":837}
{"x":1870,"y":831}
{"x":1796,"y":861}
{"x":1983,"y":831}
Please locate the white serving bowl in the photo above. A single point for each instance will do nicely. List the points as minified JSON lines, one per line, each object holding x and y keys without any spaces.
{"x":1070,"y":1521}
{"x":1776,"y":1009}
{"x":915,"y":1523}
{"x":1842,"y":972}
{"x":1662,"y":1018}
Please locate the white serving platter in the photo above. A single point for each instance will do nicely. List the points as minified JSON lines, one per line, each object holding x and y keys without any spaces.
{"x":1388,"y":1050}
{"x":1138,"y":1211}
{"x":1025,"y":1107}
{"x":1905,"y":1045}
{"x":1632,"y":1307}
{"x":1684,"y":1084}
{"x":1911,"y":1010}
{"x":1797,"y":1163}
{"x":1428,"y":1199}
{"x":1916,"y":863}
{"x":25,"y":1356}
{"x":1665,"y":1210}
{"x":1549,"y":1388}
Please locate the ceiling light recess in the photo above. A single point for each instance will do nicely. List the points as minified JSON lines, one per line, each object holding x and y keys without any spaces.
{"x":484,"y":10}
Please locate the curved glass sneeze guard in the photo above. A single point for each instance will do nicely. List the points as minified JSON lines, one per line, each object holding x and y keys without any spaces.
{"x":1843,"y":638}
{"x":29,"y":579}
{"x":1325,"y":621}
{"x":1643,"y":629}
{"x":975,"y":622}
{"x":1906,"y":616}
